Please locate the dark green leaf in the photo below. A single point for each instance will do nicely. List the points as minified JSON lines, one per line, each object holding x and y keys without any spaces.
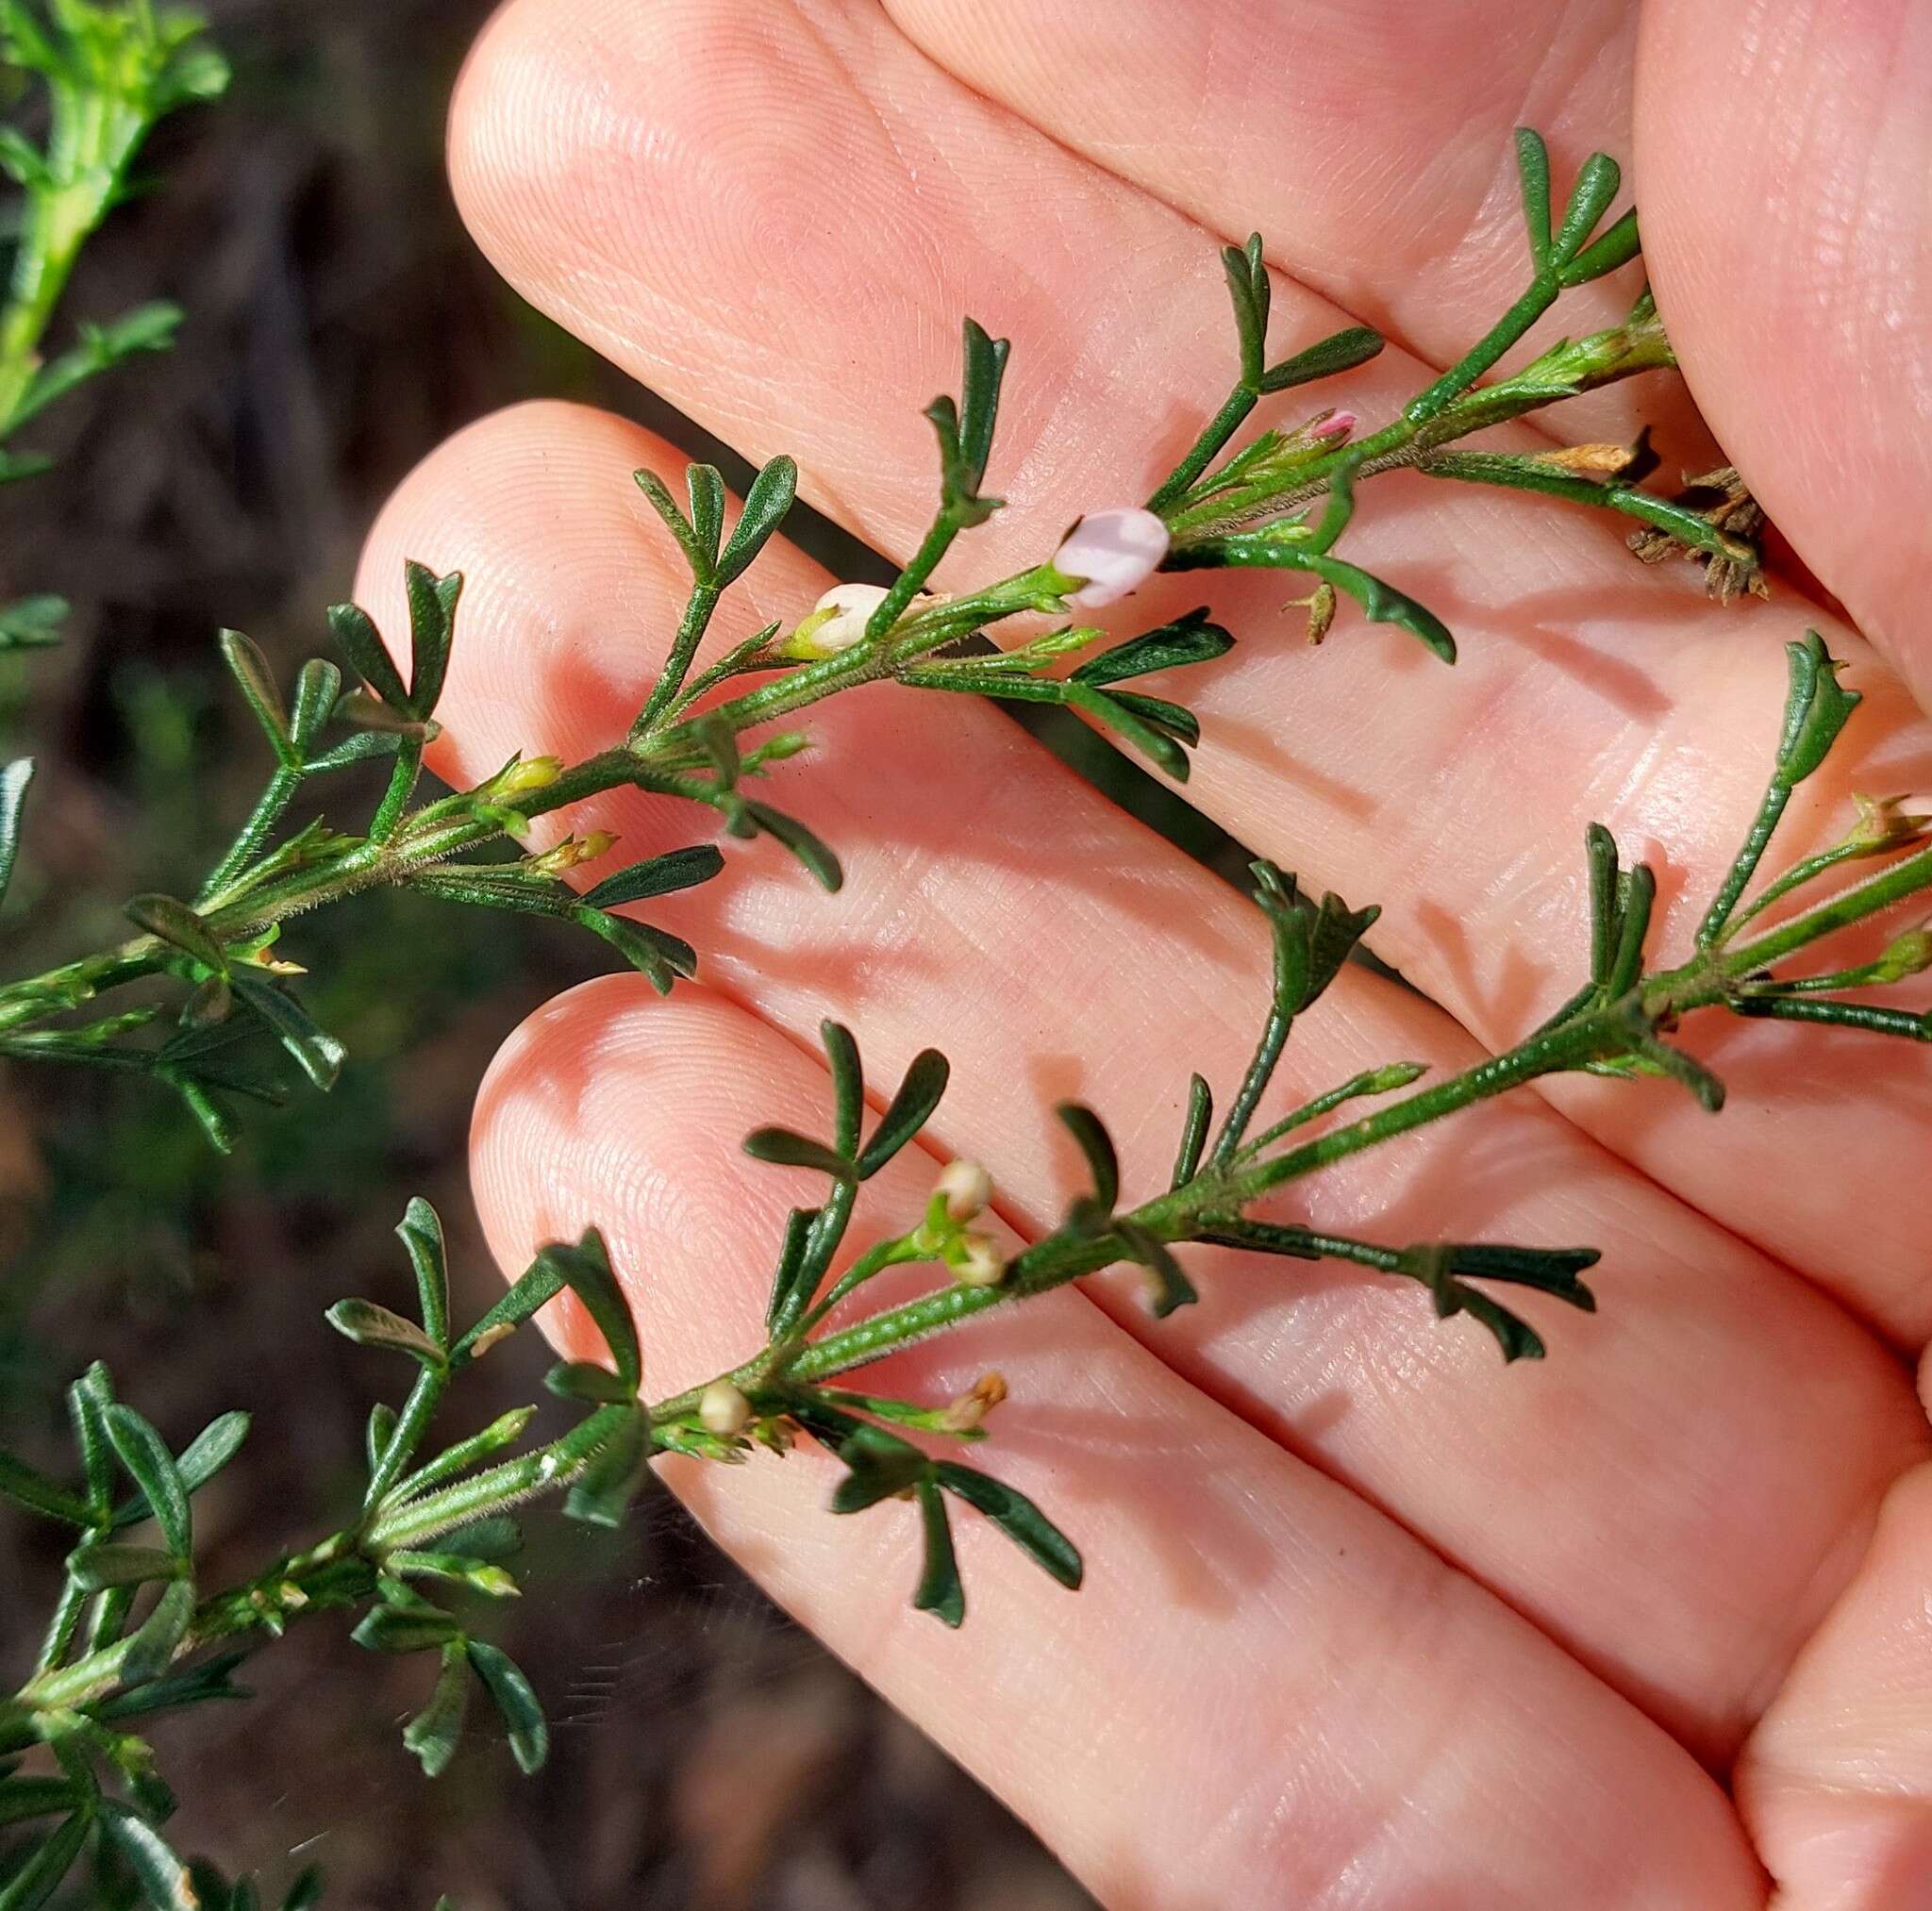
{"x":658,"y":954}
{"x":676,"y":523}
{"x":765,"y":505}
{"x":208,"y":1681}
{"x":807,"y":847}
{"x":153,"y":1469}
{"x":880,"y":1464}
{"x":256,"y":681}
{"x":529,"y":1737}
{"x":42,"y":1869}
{"x":1171,"y":1288}
{"x":176,"y":923}
{"x":381,"y":1431}
{"x":306,"y":1892}
{"x":29,"y":1488}
{"x":1533,"y":171}
{"x":585,"y":1380}
{"x":979,"y":399}
{"x":1596,"y":184}
{"x":15,"y":779}
{"x":680,"y":869}
{"x":96,"y":1568}
{"x":318,"y":688}
{"x":1384,"y":603}
{"x":909,"y":1111}
{"x":496,"y":1537}
{"x":151,"y":1648}
{"x":318,"y":1054}
{"x":1341,"y":352}
{"x":1619,"y":244}
{"x":432,"y":627}
{"x":414,"y":1628}
{"x":434,"y":1733}
{"x":785,"y":1149}
{"x":162,"y":1875}
{"x":25,"y":1798}
{"x":1017,"y":1516}
{"x":1117,"y":716}
{"x":87,"y":1400}
{"x":1187,"y":640}
{"x":535,"y":1287}
{"x":371,"y":1325}
{"x":1103,"y":1164}
{"x":602,"y":1496}
{"x":1816,"y":709}
{"x":421,"y":1233}
{"x":787,"y":1302}
{"x":1249,"y":291}
{"x":1193,"y":1130}
{"x":586,"y":1271}
{"x":939,"y":1592}
{"x":367,"y":654}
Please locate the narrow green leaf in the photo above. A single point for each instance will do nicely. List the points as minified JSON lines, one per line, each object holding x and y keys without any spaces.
{"x":659,"y":955}
{"x":1597,"y":184}
{"x":807,"y":847}
{"x":529,"y":1737}
{"x":151,"y":1648}
{"x":434,"y":1733}
{"x":939,"y":1592}
{"x":585,"y":1268}
{"x":676,"y":523}
{"x":879,"y":1465}
{"x":318,"y":1054}
{"x":175,"y":923}
{"x":1017,"y":1516}
{"x":256,"y":682}
{"x":1171,"y":1288}
{"x":1117,"y":716}
{"x":979,"y":399}
{"x":1341,"y":352}
{"x":98,"y":1566}
{"x":432,"y":627}
{"x":1619,"y":244}
{"x":29,"y":1488}
{"x":536,"y":1286}
{"x":1193,"y":1130}
{"x":40,"y":1876}
{"x":1188,"y":639}
{"x":907,"y":1112}
{"x":585,"y":1380}
{"x":417,"y":1627}
{"x":678,"y":869}
{"x":1816,"y":709}
{"x":367,"y":654}
{"x":705,"y":489}
{"x":602,"y":1496}
{"x":421,"y":1233}
{"x":371,"y":1325}
{"x":1096,"y":1145}
{"x":153,"y":1469}
{"x":766,"y":504}
{"x":785,"y":1149}
{"x":210,"y":1680}
{"x":87,"y":1400}
{"x":381,"y":1430}
{"x":787,"y":1302}
{"x":1383,"y":604}
{"x":15,"y":779}
{"x":1249,"y":292}
{"x":318,"y":688}
{"x":22,"y":1800}
{"x":1533,"y":169}
{"x":306,"y":1892}
{"x":162,"y":1875}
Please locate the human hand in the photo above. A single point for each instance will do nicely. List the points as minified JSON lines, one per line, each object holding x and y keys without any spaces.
{"x":1368,"y":1621}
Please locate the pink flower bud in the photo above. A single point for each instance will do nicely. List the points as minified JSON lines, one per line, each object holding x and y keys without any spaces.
{"x":1113,"y":552}
{"x":1337,"y":425}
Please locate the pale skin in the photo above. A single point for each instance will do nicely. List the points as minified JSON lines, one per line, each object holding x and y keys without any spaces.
{"x":1369,"y":1621}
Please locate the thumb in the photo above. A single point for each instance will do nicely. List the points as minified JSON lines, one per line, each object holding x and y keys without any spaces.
{"x":1784,"y":150}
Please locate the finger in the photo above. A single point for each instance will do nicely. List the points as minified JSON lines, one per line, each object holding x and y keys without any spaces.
{"x":1264,"y":1691}
{"x":1371,"y":143}
{"x":996,"y":906}
{"x":678,"y":226}
{"x":1837,"y":1783}
{"x":1802,"y":320}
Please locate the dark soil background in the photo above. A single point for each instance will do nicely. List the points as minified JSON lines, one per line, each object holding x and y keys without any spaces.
{"x":707,"y":1754}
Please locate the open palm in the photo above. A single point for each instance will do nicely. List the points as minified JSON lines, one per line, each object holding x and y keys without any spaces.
{"x":1369,"y":1620}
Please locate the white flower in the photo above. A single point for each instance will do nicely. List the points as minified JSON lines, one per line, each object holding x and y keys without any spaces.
{"x":1114,"y":552}
{"x":724,"y":1410}
{"x":837,"y":621}
{"x":965,"y":1187}
{"x":979,"y":1264}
